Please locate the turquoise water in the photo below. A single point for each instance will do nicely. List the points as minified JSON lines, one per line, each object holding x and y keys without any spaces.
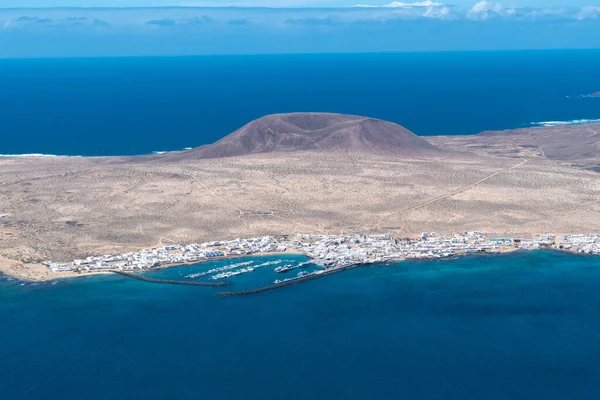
{"x":518,"y":326}
{"x":115,"y":106}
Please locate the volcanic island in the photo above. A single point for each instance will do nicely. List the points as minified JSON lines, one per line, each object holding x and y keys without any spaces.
{"x":317,"y":176}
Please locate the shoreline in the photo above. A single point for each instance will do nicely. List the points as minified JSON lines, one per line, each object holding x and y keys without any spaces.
{"x":533,"y":125}
{"x":38,"y":273}
{"x":17,"y":270}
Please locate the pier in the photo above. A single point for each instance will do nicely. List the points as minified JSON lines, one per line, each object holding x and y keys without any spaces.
{"x":291,"y":282}
{"x":169,"y":281}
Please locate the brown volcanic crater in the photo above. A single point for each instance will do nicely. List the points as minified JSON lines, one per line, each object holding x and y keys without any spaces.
{"x":314,"y":132}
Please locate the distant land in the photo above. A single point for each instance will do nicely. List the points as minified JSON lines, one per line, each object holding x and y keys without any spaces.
{"x":302,"y":173}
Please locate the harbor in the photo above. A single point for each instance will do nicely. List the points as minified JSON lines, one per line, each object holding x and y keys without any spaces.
{"x":237,"y":261}
{"x":169,"y":281}
{"x":291,"y":281}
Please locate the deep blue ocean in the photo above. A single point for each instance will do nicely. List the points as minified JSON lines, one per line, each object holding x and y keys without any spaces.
{"x":118,"y":106}
{"x":514,"y":327}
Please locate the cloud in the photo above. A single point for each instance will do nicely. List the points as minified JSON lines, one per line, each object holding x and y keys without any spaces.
{"x":427,"y":3}
{"x":329,"y":20}
{"x":589,"y":13}
{"x":276,"y":19}
{"x":487,"y":9}
{"x":162,"y":22}
{"x":28,"y":22}
{"x":437,"y":12}
{"x":166,"y":22}
{"x":229,"y":30}
{"x":399,"y":4}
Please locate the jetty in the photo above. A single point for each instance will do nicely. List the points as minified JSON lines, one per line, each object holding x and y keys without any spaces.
{"x":291,"y":282}
{"x":169,"y":281}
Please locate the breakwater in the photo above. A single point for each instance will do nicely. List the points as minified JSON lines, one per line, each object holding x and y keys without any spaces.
{"x":169,"y":281}
{"x":291,"y":282}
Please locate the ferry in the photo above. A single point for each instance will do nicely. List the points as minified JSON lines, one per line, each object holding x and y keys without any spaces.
{"x":286,"y":268}
{"x":301,"y":274}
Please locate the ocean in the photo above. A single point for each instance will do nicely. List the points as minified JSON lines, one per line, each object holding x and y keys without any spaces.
{"x":128,"y":106}
{"x":517,"y":326}
{"x":506,"y":327}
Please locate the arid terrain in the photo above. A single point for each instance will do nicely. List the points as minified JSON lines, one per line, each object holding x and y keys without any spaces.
{"x":570,"y":145}
{"x":521,"y":182}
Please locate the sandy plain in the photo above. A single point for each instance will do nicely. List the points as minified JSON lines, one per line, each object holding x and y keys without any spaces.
{"x":64,"y":208}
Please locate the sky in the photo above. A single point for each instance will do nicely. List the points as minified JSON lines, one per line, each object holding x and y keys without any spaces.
{"x":269,"y":3}
{"x":426,"y":25}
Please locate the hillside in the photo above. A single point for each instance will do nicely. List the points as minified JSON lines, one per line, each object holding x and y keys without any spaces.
{"x":315,"y":131}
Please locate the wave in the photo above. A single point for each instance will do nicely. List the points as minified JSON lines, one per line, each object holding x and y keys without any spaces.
{"x":35,"y":155}
{"x":571,"y":122}
{"x":584,"y":96}
{"x":170,"y":151}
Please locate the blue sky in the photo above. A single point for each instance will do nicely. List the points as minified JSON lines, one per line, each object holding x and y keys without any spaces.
{"x":271,"y":3}
{"x":426,"y":25}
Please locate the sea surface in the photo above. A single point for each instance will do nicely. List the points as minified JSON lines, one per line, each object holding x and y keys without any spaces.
{"x":126,"y":106}
{"x":512,"y":327}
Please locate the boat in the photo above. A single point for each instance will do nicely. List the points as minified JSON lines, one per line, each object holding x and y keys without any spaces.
{"x":229,"y":274}
{"x":286,"y":268}
{"x":301,"y":274}
{"x":219,"y":269}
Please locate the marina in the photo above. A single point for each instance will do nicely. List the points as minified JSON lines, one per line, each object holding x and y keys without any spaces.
{"x":218,"y":270}
{"x":290,"y":282}
{"x":169,"y":281}
{"x":224,"y":272}
{"x":328,"y":254}
{"x":286,"y":268}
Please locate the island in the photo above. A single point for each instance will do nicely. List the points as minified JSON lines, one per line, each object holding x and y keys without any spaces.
{"x":317,"y":179}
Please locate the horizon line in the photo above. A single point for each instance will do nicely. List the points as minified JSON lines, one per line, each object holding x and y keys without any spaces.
{"x":356,"y":6}
{"x":332,"y":53}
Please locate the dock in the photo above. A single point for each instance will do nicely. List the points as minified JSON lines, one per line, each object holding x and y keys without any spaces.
{"x":307,"y":278}
{"x":169,"y":281}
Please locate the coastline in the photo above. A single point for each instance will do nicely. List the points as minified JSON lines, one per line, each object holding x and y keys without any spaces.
{"x":35,"y":272}
{"x":38,"y":273}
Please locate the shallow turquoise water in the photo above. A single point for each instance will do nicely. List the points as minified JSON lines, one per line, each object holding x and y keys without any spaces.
{"x":519,"y":326}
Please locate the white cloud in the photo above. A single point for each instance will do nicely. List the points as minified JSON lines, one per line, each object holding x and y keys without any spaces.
{"x":162,"y":19}
{"x":437,"y":12}
{"x":487,"y":9}
{"x":589,"y":13}
{"x":427,"y":3}
{"x":400,"y":4}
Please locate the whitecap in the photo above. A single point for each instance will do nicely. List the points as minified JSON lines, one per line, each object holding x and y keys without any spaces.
{"x":33,"y":155}
{"x":571,"y":122}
